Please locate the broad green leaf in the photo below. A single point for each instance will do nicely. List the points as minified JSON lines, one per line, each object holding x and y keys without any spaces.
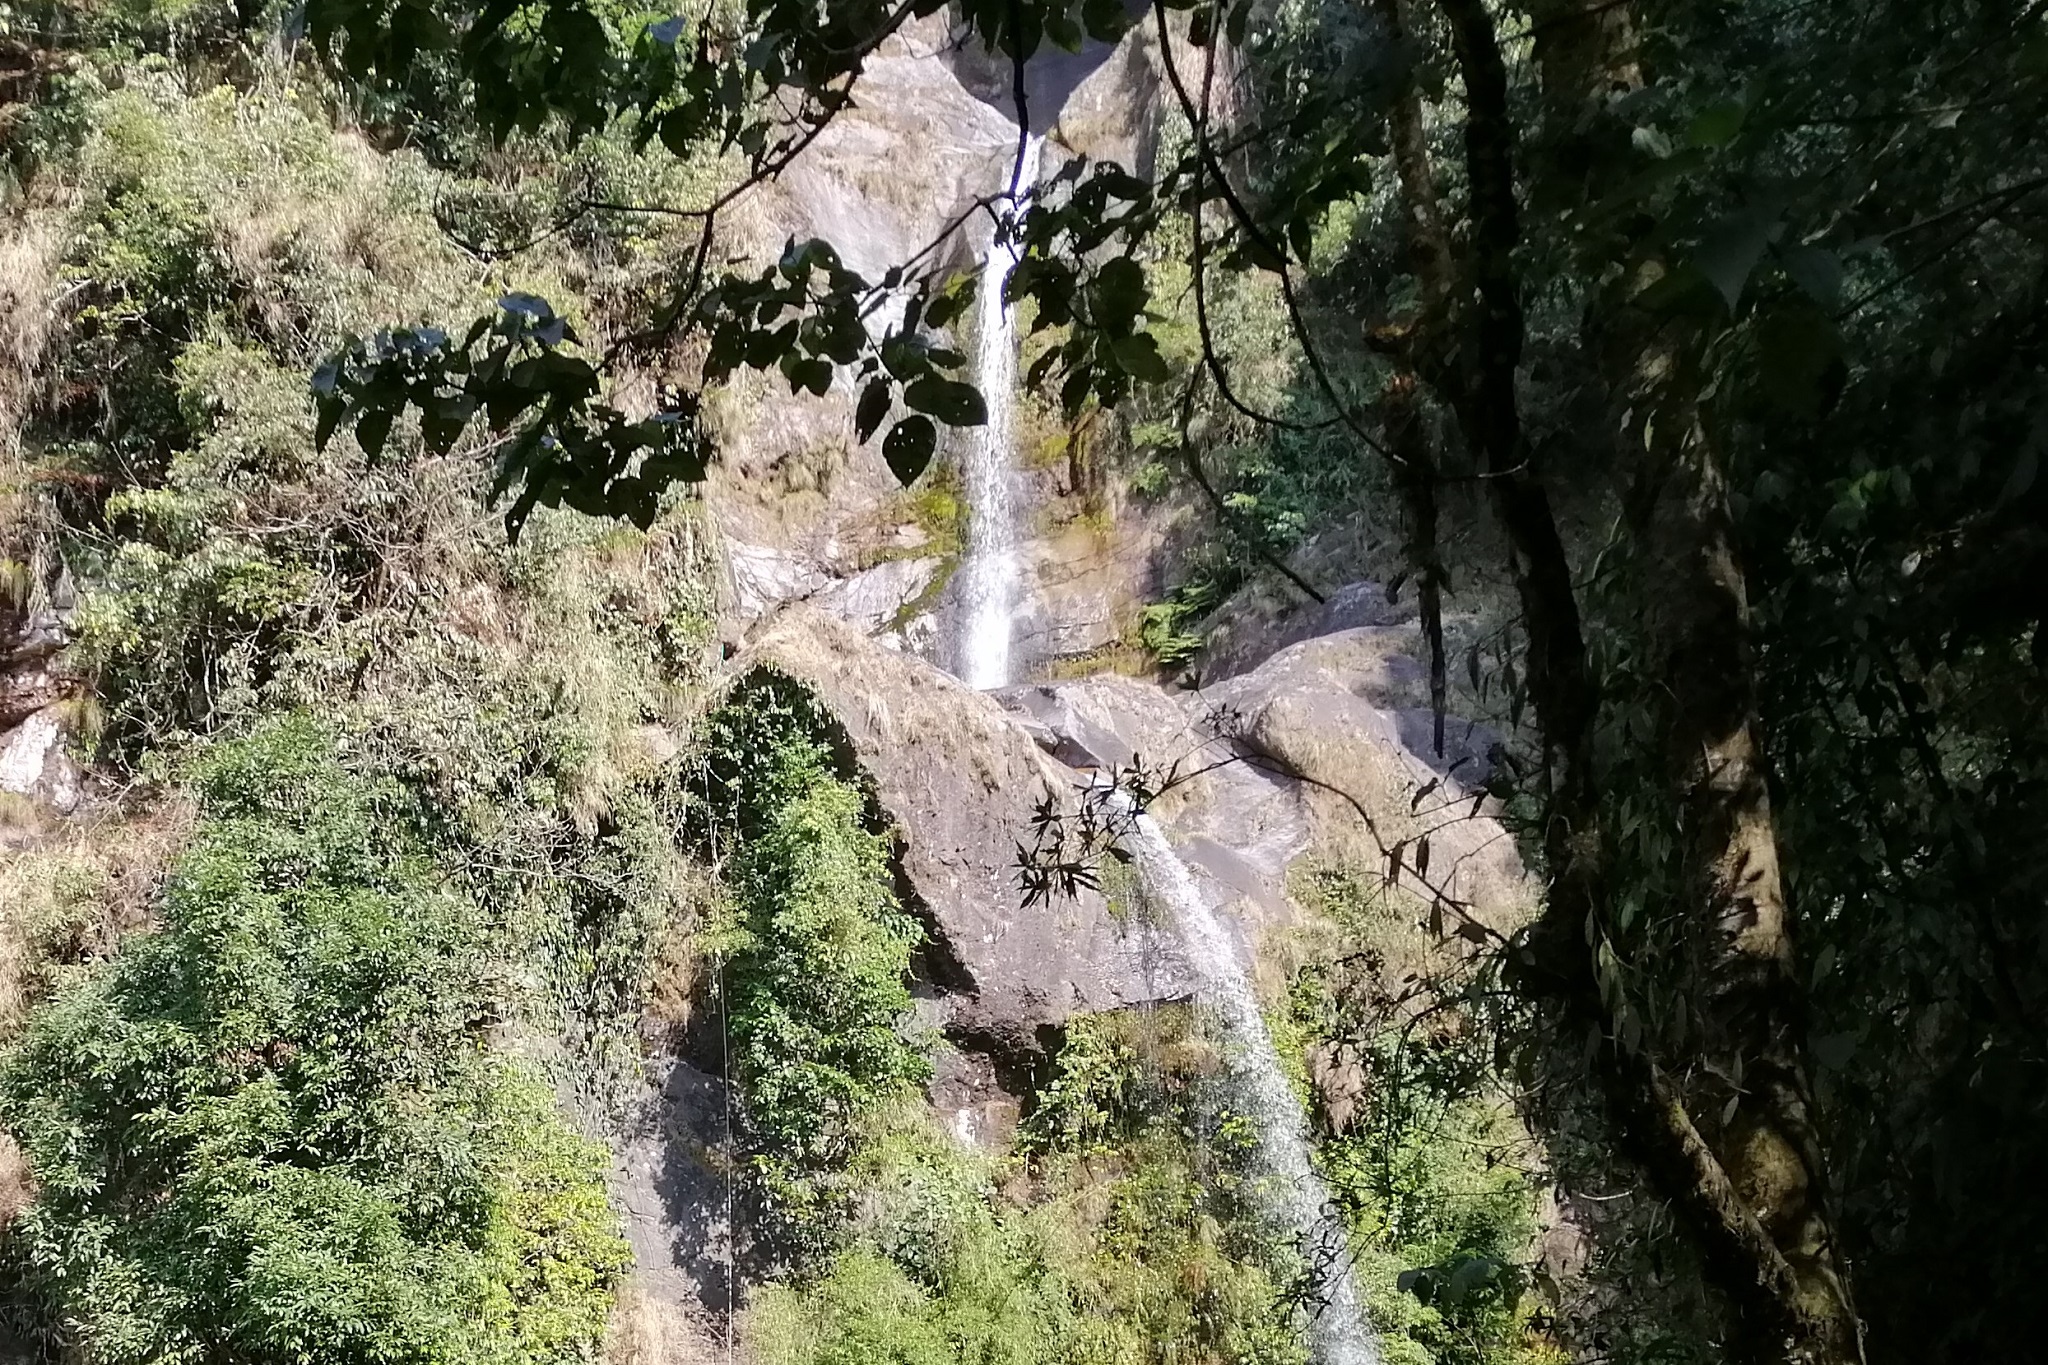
{"x":948,"y":302}
{"x":1818,"y":272}
{"x":874,"y":406}
{"x":373,"y":428}
{"x":1138,"y":356}
{"x":1117,"y":294}
{"x":805,"y":372}
{"x":1729,"y":252}
{"x":908,"y":447}
{"x":1717,"y":124}
{"x":1798,"y":349}
{"x":955,"y":403}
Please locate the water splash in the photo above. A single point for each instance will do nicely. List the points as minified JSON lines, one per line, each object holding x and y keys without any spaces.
{"x":990,"y":573}
{"x":1339,"y":1333}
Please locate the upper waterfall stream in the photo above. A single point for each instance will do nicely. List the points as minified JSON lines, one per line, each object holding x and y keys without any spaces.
{"x":990,"y":574}
{"x":1297,"y":1195}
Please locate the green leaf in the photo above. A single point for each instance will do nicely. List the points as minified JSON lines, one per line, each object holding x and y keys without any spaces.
{"x":1684,"y":291}
{"x":807,"y":373}
{"x":908,"y":448}
{"x":904,"y":357}
{"x":1818,"y":272}
{"x":1729,"y":253}
{"x":874,"y":406}
{"x":955,"y":403}
{"x":373,"y":428}
{"x":1798,"y":351}
{"x":1138,"y":356}
{"x":1833,"y":1051}
{"x":765,"y":348}
{"x":1074,"y":390}
{"x":1255,"y":253}
{"x":1118,"y":294}
{"x":948,"y":303}
{"x":331,"y":407}
{"x":1717,"y":124}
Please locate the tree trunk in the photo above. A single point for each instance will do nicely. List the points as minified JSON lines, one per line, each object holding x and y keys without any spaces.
{"x":1752,"y":1187}
{"x":1756,"y":1083}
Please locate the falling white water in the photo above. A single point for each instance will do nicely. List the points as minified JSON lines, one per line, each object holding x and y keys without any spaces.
{"x":989,"y":570}
{"x":1339,"y":1333}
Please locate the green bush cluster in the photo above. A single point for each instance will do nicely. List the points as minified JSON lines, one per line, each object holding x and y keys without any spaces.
{"x":295,"y":1128}
{"x":1433,"y":1171}
{"x":1123,"y":1239}
{"x":817,"y":987}
{"x":1136,"y":1245}
{"x":274,"y":1128}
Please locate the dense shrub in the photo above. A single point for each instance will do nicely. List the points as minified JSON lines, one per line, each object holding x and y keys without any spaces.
{"x":1433,"y":1170}
{"x":818,"y":982}
{"x":274,"y":1128}
{"x":1127,"y":1242}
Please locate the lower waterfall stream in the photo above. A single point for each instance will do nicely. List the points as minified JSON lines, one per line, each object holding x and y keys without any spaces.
{"x":991,"y":593}
{"x":1295,"y":1194}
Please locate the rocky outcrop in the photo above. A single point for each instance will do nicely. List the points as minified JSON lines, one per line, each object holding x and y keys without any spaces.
{"x":34,"y":687}
{"x":1340,"y":713}
{"x":802,"y":506}
{"x":1327,"y":744}
{"x":959,"y":778}
{"x":673,"y":1180}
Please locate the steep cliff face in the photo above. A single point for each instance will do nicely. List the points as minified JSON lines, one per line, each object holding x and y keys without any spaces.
{"x":807,"y":513}
{"x":1318,"y":749}
{"x":540,"y":703}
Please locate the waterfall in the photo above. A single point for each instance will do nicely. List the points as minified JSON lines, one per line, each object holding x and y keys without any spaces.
{"x":1339,"y":1333}
{"x":989,"y":569}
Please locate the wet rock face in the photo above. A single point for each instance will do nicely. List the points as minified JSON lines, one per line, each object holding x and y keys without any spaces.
{"x":960,"y":778}
{"x":673,"y":1179}
{"x":1236,"y":824}
{"x":975,"y":1099}
{"x":34,"y":685}
{"x":1102,"y":101}
{"x":1347,"y":712}
{"x":802,"y":506}
{"x":1326,"y":744}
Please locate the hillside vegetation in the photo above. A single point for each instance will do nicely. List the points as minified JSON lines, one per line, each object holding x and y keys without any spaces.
{"x":395,"y":832}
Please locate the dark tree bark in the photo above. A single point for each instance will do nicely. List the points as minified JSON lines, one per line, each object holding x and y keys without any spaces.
{"x":1753,"y":1188}
{"x":1752,"y":1008}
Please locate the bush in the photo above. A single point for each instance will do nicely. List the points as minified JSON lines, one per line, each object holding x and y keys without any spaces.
{"x":274,"y":1127}
{"x":1133,"y":1246}
{"x":818,"y":977}
{"x":1433,"y":1168}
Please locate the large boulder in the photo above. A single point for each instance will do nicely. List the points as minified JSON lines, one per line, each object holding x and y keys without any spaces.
{"x":1347,"y":713}
{"x":35,"y":686}
{"x":1327,"y":744}
{"x":960,"y":779}
{"x":1235,"y":823}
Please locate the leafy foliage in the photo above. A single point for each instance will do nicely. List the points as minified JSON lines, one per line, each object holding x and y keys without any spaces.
{"x":817,"y":993}
{"x":1133,"y":1244}
{"x":1417,"y":1137}
{"x":1795,"y":245}
{"x":274,"y":1119}
{"x":501,"y":797}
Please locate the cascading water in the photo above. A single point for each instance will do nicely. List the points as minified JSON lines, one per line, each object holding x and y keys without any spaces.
{"x":1339,"y":1333}
{"x":989,"y":570}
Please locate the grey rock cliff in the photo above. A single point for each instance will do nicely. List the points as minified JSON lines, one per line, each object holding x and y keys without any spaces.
{"x":959,"y":778}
